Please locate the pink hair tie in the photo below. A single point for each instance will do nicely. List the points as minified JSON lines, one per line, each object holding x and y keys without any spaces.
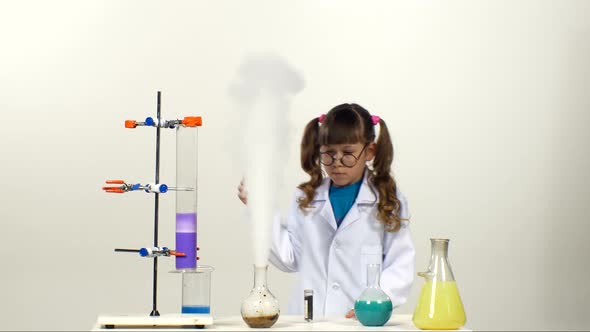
{"x":375,"y":119}
{"x":322,"y":118}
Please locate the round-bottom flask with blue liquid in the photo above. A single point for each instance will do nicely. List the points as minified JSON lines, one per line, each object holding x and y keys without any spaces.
{"x":373,"y":307}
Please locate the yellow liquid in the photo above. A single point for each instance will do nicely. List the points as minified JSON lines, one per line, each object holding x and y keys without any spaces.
{"x":439,"y":307}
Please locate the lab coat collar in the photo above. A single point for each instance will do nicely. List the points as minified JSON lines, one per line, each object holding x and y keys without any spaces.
{"x":321,"y":195}
{"x":366,"y":195}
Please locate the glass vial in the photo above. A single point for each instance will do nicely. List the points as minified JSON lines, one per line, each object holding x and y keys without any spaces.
{"x":308,"y":304}
{"x":260,"y":308}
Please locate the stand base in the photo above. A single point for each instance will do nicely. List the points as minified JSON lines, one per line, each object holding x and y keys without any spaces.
{"x":167,"y":320}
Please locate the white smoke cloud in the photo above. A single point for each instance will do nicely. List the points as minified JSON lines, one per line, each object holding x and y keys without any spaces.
{"x":262,"y":90}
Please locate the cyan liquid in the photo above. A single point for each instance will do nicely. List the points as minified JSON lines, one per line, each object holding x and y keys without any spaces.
{"x":373,"y":313}
{"x":196,"y":309}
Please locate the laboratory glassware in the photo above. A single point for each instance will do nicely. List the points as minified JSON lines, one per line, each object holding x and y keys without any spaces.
{"x":373,"y":307}
{"x":439,"y":306}
{"x":186,"y":197}
{"x":260,"y":308}
{"x":308,"y":304}
{"x":196,"y":290}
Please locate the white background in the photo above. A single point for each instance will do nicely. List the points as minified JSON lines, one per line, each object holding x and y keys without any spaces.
{"x":487,"y":102}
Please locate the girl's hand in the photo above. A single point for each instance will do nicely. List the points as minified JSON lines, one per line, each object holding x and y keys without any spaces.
{"x":242,"y":193}
{"x":350,"y":314}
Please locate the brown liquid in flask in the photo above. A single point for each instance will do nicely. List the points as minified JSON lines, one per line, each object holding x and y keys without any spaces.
{"x":260,"y":308}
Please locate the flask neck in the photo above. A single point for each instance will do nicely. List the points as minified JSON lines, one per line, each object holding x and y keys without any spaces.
{"x":260,"y":276}
{"x":373,"y":275}
{"x":440,"y":248}
{"x":439,"y":268}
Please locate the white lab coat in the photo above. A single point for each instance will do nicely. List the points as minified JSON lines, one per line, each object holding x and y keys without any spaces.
{"x":332,"y":260}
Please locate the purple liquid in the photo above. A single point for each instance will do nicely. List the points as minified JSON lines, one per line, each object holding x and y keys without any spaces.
{"x":186,"y":240}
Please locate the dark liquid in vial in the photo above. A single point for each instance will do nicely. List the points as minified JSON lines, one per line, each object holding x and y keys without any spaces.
{"x":308,"y":307}
{"x":261,"y":321}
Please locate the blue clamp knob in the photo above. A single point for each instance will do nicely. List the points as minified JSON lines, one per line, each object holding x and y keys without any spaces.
{"x":149,"y":121}
{"x":163,"y":188}
{"x":143,"y":252}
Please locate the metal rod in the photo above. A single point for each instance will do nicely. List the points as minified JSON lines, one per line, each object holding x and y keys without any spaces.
{"x":126,"y":250}
{"x":156,"y":206}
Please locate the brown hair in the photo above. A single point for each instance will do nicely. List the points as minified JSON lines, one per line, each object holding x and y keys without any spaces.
{"x":351,"y":123}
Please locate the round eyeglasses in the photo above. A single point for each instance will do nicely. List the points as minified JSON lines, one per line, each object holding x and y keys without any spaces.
{"x":347,"y":159}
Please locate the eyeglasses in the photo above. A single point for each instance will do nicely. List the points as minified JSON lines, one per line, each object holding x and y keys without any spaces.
{"x":347,"y":159}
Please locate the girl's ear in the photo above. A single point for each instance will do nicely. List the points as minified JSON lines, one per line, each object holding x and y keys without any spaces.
{"x":370,"y":151}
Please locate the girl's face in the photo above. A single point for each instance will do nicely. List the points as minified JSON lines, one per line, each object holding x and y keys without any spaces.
{"x":345,"y":163}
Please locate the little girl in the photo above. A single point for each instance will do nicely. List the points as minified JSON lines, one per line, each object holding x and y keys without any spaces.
{"x":340,"y":223}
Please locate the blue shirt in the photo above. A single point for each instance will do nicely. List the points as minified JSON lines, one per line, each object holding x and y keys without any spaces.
{"x":342,"y":199}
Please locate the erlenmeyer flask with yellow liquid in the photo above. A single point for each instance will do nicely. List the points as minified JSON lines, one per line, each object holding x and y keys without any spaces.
{"x":439,"y":305}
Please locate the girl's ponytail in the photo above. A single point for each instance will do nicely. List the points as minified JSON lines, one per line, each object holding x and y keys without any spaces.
{"x":310,"y":162}
{"x":384,"y":151}
{"x":389,"y":206}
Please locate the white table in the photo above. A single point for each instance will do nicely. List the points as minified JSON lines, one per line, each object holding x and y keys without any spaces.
{"x":295,"y":323}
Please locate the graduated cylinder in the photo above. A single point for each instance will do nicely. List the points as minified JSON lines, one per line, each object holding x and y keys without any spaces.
{"x":186,"y":195}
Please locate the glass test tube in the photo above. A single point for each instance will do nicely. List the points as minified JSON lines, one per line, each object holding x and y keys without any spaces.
{"x":186,"y":196}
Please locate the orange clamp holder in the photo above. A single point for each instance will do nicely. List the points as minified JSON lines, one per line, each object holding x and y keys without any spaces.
{"x":192,"y":121}
{"x":179,"y":254}
{"x":115,"y":181}
{"x":130,"y":123}
{"x":113,"y":190}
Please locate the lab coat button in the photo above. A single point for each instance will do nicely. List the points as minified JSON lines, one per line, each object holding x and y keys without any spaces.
{"x":335,"y":286}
